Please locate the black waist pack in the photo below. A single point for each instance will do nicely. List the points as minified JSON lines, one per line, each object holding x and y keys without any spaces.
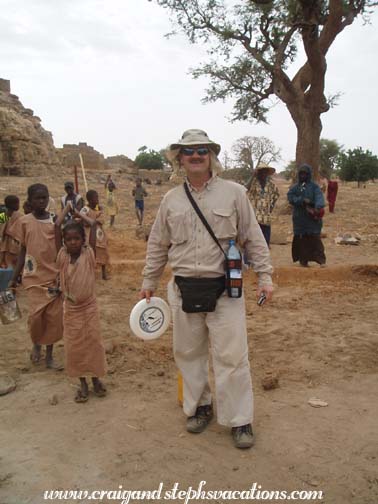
{"x":200,"y":294}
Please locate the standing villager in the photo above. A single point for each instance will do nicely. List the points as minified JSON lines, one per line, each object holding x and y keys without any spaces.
{"x":40,"y":275}
{"x":263,"y":194}
{"x":75,"y":199}
{"x":307,"y":200}
{"x":95,"y":212}
{"x":332,"y":189}
{"x":111,"y":199}
{"x":9,"y":244}
{"x":139,"y":194}
{"x":179,"y":236}
{"x":84,"y":349}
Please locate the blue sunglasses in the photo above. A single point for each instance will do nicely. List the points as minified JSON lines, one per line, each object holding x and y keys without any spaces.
{"x":189,"y":151}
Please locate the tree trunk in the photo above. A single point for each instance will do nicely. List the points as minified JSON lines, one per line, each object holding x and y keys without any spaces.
{"x":309,"y":127}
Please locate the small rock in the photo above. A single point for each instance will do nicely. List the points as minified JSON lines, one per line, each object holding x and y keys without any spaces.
{"x":235,"y":468}
{"x":347,"y":239}
{"x":314,"y":483}
{"x":270,"y":381}
{"x":160,"y":373}
{"x":7,"y":384}
{"x":317,"y":403}
{"x":54,"y":400}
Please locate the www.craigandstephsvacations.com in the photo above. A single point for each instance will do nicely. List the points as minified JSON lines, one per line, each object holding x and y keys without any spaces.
{"x":185,"y":495}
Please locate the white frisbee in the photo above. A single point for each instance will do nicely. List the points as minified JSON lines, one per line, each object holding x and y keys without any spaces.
{"x":150,"y":320}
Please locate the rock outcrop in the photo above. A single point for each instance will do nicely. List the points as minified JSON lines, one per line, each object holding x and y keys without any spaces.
{"x":121,"y":163}
{"x":26,"y":149}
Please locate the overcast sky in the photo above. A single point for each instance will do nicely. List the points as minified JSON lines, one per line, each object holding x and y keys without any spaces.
{"x":101,"y":72}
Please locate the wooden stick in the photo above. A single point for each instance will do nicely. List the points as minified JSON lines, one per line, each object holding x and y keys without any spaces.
{"x":83,"y":171}
{"x":76,"y":180}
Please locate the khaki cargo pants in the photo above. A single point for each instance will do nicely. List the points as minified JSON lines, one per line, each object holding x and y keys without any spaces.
{"x":226,"y":330}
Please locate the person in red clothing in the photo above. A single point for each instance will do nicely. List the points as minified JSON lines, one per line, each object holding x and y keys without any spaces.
{"x":332,"y":189}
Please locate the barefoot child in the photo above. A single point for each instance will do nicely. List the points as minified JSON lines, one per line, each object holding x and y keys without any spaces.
{"x":40,"y":275}
{"x":9,"y":244}
{"x":85,"y":353}
{"x":94,"y":211}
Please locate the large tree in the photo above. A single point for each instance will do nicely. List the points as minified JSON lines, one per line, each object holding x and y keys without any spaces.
{"x":358,"y":165}
{"x":250,"y":151}
{"x":252,"y":44}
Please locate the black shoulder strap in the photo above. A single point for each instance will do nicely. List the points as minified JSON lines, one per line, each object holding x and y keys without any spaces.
{"x":202,"y":217}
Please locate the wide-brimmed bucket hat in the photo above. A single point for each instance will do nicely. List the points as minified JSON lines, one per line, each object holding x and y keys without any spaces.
{"x":194,"y":137}
{"x":264,"y":166}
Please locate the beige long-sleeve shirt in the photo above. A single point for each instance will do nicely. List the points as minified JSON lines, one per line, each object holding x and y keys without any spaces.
{"x":178,"y":235}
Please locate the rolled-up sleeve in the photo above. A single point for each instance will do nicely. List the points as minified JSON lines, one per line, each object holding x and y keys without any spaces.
{"x":252,"y":240}
{"x":157,"y":250}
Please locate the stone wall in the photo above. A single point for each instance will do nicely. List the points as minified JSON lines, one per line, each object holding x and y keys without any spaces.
{"x":26,"y":149}
{"x":92,"y":159}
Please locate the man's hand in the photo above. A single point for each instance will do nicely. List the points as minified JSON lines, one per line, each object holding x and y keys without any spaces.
{"x":267,"y":290}
{"x":146,"y":294}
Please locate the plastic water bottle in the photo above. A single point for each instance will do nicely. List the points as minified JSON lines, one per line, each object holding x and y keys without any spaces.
{"x":234,"y":271}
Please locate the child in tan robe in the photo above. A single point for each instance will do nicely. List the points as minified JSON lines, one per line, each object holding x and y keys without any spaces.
{"x":36,"y":233}
{"x":84,"y":349}
{"x":94,"y":211}
{"x":9,"y":245}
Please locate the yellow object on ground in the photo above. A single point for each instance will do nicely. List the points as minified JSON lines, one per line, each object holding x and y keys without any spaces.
{"x":180,"y":389}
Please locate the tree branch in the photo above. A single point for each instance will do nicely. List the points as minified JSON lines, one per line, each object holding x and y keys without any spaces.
{"x":333,"y":26}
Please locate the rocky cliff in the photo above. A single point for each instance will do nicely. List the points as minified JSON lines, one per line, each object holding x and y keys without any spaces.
{"x":26,"y":148}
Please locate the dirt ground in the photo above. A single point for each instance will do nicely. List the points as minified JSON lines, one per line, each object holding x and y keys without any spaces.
{"x":319,"y":336}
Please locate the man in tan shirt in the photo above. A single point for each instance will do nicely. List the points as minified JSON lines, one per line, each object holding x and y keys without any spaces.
{"x":179,"y":236}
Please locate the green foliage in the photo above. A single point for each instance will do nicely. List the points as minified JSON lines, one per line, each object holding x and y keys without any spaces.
{"x":149,"y":159}
{"x":358,"y":165}
{"x":329,"y":153}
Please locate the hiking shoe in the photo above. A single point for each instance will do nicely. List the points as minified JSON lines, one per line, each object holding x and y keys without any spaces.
{"x":198,"y":422}
{"x":243,"y":436}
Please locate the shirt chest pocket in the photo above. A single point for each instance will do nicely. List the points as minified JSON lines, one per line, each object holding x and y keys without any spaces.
{"x":224,"y":223}
{"x":179,"y":227}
